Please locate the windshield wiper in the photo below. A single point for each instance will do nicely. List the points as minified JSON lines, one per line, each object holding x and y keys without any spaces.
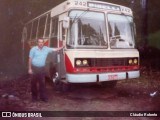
{"x":78,"y":17}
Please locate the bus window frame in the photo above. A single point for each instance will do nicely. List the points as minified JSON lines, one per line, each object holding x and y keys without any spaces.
{"x":56,"y":19}
{"x":33,"y":37}
{"x":119,"y":13}
{"x":24,"y":34}
{"x":40,"y":25}
{"x":48,"y":26}
{"x":106,"y":30}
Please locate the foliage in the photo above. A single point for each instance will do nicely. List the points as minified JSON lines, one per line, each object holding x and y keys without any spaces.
{"x":154,"y":40}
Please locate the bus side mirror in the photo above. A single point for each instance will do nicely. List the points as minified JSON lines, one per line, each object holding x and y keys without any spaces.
{"x":66,"y":22}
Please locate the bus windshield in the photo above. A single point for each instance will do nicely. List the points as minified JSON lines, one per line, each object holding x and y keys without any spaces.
{"x":87,"y":30}
{"x":121,"y":31}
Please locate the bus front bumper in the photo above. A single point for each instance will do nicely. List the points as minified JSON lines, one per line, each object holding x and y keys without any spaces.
{"x":101,"y":77}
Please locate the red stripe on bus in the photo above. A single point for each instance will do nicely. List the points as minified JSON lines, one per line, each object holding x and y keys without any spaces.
{"x":69,"y":67}
{"x":105,"y":69}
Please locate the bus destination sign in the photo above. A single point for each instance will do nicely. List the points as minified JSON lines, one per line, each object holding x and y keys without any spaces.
{"x":103,"y":6}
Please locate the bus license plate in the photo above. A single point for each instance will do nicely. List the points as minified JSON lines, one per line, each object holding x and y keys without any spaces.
{"x":112,"y":77}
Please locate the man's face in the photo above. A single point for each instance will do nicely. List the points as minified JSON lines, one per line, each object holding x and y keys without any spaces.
{"x":40,"y":43}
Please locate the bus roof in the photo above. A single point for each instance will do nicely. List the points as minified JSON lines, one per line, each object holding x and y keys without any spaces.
{"x":85,"y":4}
{"x":89,"y":4}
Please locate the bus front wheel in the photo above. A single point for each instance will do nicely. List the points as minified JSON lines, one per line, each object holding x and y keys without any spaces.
{"x":61,"y":86}
{"x":57,"y":84}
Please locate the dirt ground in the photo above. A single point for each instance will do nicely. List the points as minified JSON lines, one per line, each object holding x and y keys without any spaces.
{"x":141,"y":94}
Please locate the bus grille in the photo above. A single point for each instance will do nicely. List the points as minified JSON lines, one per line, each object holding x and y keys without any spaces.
{"x":102,"y":62}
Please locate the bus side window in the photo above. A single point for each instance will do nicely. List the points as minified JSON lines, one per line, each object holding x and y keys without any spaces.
{"x":24,"y":35}
{"x":28,"y":27}
{"x":48,"y":26}
{"x":41,"y":26}
{"x":54,"y":33}
{"x":34,"y":29}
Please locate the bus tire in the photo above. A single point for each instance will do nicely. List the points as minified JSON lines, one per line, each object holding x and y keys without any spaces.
{"x":57,"y":85}
{"x":64,"y":87}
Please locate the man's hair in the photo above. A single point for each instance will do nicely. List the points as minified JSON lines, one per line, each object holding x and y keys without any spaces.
{"x":40,"y":39}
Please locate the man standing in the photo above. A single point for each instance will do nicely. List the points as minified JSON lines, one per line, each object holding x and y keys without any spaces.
{"x":37,"y":59}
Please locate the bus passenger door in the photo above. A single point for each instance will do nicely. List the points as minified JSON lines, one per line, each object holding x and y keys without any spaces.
{"x":60,"y":57}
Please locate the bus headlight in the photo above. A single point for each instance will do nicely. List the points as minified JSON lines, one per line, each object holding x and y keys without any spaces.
{"x":130,"y":61}
{"x":82,"y":62}
{"x":78,"y":62}
{"x":135,"y":61}
{"x":85,"y":62}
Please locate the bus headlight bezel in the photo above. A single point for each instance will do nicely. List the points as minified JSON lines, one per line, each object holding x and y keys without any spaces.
{"x":133,"y":61}
{"x":130,"y":61}
{"x":78,"y":62}
{"x":85,"y":62}
{"x":81,"y":62}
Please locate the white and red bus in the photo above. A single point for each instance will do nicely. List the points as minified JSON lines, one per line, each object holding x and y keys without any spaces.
{"x":98,"y":40}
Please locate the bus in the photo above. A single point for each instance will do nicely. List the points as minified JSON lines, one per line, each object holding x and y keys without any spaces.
{"x":98,"y":40}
